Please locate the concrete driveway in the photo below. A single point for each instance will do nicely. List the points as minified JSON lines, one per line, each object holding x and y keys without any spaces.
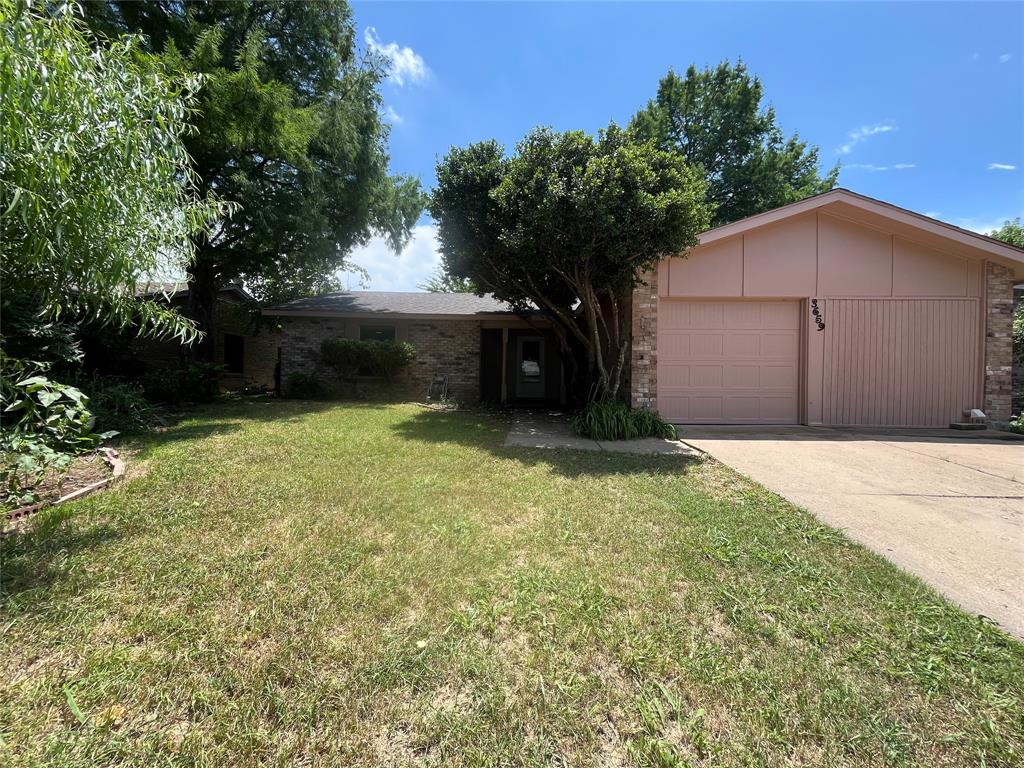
{"x":944,"y":505}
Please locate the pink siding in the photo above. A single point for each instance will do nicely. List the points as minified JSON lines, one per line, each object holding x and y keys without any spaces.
{"x":899,"y":362}
{"x":817,"y":254}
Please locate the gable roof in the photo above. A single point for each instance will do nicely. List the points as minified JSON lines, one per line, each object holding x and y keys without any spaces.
{"x":179,"y":289}
{"x":844,"y":202}
{"x":383,"y":303}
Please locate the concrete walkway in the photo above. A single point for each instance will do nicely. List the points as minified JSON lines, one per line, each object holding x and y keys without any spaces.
{"x":533,"y":429}
{"x":947,"y":506}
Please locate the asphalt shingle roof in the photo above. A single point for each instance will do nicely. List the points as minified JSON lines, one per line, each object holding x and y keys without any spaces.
{"x":396,"y":303}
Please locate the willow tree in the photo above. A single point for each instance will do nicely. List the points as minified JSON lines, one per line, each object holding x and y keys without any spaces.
{"x":96,"y":190}
{"x":568,"y":224}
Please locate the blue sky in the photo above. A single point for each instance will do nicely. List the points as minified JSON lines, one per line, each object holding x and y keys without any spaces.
{"x":923,"y":103}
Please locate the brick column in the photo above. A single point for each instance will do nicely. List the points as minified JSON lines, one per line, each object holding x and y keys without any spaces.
{"x":998,"y":341}
{"x":644,"y":355}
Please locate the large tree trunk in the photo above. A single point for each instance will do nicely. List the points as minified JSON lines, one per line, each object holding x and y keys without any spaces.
{"x":202,"y":301}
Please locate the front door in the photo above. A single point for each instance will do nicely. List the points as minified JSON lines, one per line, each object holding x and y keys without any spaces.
{"x":529,"y":368}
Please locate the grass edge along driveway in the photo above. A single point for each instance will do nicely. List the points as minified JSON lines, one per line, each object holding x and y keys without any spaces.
{"x":330,"y":584}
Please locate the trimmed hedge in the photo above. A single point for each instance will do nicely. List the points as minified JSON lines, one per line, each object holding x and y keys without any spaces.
{"x":351,"y":358}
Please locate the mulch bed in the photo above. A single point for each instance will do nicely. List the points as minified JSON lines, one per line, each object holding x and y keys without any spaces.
{"x":88,"y":473}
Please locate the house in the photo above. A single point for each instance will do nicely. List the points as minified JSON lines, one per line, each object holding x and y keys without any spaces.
{"x":836,"y":310}
{"x":484,"y":349}
{"x":245,"y":348}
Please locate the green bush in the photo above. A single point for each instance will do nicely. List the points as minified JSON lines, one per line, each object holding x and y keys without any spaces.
{"x":350,"y":358}
{"x":120,"y":405}
{"x":189,"y":383}
{"x":617,"y":421}
{"x":45,"y":423}
{"x":304,"y":387}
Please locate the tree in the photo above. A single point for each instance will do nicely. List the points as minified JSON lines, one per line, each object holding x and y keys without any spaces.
{"x":288,"y":127}
{"x":714,"y":119}
{"x":567,"y":225}
{"x":440,"y":281}
{"x":1011,"y":232}
{"x":96,"y":191}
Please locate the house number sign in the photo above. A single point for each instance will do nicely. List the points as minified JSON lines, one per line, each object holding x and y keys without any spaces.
{"x":819,"y":320}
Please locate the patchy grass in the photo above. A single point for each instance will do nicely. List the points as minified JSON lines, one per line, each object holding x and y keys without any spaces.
{"x":313,"y":584}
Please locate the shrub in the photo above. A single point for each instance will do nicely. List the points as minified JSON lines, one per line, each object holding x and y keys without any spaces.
{"x":617,"y":421}
{"x":120,"y":405}
{"x":45,"y":423}
{"x":189,"y":383}
{"x":351,"y":358}
{"x":304,"y":387}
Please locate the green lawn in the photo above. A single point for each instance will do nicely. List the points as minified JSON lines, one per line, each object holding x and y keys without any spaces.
{"x":313,"y":584}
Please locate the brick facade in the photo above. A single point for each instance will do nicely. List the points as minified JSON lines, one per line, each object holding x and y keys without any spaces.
{"x":998,"y":342}
{"x":1018,"y":356}
{"x":443,"y":347}
{"x":644,"y":353}
{"x":261,"y":340}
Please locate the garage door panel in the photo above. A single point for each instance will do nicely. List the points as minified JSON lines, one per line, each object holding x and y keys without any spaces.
{"x":728,"y":362}
{"x":779,"y":346}
{"x":780,"y":377}
{"x":742,"y":345}
{"x":674,"y":345}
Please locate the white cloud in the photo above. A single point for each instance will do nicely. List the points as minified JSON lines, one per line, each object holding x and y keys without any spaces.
{"x":1003,"y":58}
{"x":904,"y":166}
{"x":393,"y":117}
{"x":983,"y":225}
{"x":1001,"y":167}
{"x":858,"y":135}
{"x":404,"y":64}
{"x":871,"y":167}
{"x":397,"y":272}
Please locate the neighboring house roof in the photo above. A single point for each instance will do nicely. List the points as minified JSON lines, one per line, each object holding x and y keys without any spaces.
{"x":175,"y":290}
{"x":380,"y":303}
{"x":844,"y":202}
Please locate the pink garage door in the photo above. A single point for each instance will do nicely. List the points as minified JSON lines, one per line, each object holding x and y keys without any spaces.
{"x":729,"y":362}
{"x":900,"y":362}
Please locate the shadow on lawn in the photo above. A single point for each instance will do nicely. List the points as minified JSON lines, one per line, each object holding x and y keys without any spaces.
{"x":36,"y":558}
{"x":486,"y":430}
{"x":223,"y":416}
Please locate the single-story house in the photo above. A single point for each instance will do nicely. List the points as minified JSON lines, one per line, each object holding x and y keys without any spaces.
{"x":835,"y":310}
{"x":484,"y":350}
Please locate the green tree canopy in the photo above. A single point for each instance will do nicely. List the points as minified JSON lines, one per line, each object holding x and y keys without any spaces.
{"x":566,"y":225}
{"x":1011,"y":232}
{"x":96,"y":191}
{"x":288,"y":126}
{"x":442,"y":282}
{"x":714,"y":119}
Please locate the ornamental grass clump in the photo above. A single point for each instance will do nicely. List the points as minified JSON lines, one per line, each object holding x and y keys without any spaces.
{"x":617,"y":421}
